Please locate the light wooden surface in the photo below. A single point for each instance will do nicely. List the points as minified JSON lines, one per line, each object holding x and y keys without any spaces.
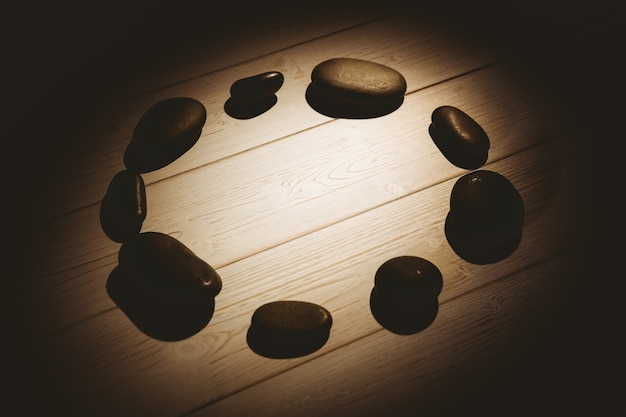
{"x":296,"y":205}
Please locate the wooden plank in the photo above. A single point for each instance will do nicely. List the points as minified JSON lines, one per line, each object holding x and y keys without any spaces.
{"x":109,"y":367}
{"x":288,"y":185}
{"x":419,"y":49}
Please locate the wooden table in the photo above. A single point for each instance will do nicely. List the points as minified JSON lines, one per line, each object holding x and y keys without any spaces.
{"x":296,"y":205}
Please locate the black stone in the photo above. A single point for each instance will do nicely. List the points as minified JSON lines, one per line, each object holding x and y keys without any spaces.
{"x":404,"y":299}
{"x":257,"y":86}
{"x":402,"y":322}
{"x":138,"y":161}
{"x":481,"y":248}
{"x":284,"y":329}
{"x":484,"y":201}
{"x":123,"y":208}
{"x":459,"y":137}
{"x":406,"y":283}
{"x":486,"y":217}
{"x":160,"y":320}
{"x":166,"y":269}
{"x":355,"y":88}
{"x":165,"y":132}
{"x":358,"y":81}
{"x":243,"y":109}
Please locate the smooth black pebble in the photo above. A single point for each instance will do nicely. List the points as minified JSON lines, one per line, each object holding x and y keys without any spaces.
{"x":253,"y":96}
{"x":167,"y":270}
{"x":257,"y":86}
{"x":355,"y":88}
{"x":160,"y":320}
{"x":486,"y":217}
{"x":165,"y":132}
{"x":286,"y":329}
{"x":408,"y":282}
{"x":459,"y":137}
{"x":123,"y":208}
{"x":404,"y":299}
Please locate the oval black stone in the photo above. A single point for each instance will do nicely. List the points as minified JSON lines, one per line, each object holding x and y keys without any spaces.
{"x":166,"y":268}
{"x":257,"y":86}
{"x":485,"y":200}
{"x":355,"y":88}
{"x":292,"y":318}
{"x":407,"y":283}
{"x":481,"y":248}
{"x":486,"y":217}
{"x":161,"y":320}
{"x":459,"y":137}
{"x":167,"y":128}
{"x":284,"y":329}
{"x":123,"y":208}
{"x":359,"y":81}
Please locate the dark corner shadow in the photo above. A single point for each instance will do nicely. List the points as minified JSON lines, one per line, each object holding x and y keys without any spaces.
{"x":141,"y":162}
{"x":463,"y":159}
{"x":331,"y":107}
{"x":277,"y":347}
{"x":403,"y":322}
{"x":481,"y":250}
{"x":243,"y":108}
{"x":157,"y":319}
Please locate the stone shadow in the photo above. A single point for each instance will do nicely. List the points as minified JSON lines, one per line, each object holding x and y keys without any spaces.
{"x":331,"y":107}
{"x":245,"y":108}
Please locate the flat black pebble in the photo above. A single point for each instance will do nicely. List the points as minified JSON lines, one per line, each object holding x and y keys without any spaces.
{"x":161,"y":320}
{"x":404,"y":299}
{"x":359,"y":81}
{"x":289,"y":328}
{"x":486,"y":217}
{"x":257,"y":86}
{"x":140,"y":161}
{"x":403,"y":322}
{"x":355,"y":88}
{"x":407,"y":283}
{"x":243,"y":109}
{"x":485,"y":200}
{"x":167,"y":269}
{"x":123,"y":207}
{"x":459,"y":137}
{"x":167,"y":128}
